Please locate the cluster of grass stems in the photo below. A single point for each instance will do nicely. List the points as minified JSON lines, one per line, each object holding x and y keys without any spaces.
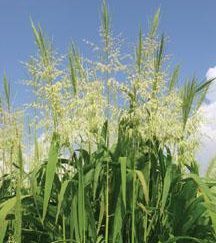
{"x":123,"y":177}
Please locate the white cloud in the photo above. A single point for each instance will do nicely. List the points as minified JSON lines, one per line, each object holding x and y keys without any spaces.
{"x":207,"y":150}
{"x":211,"y":73}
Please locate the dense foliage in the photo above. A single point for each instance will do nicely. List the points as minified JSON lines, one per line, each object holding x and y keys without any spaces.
{"x":106,"y":151}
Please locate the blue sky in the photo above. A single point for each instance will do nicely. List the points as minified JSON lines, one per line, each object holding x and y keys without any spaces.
{"x":189,"y":24}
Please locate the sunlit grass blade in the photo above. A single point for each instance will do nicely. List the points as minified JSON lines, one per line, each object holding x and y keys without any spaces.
{"x":105,"y":23}
{"x":72,"y":57}
{"x":188,"y":95}
{"x":174,"y":78}
{"x":81,"y":205}
{"x":97,"y":173}
{"x":123,"y":164}
{"x":7,"y":91}
{"x":61,"y":198}
{"x":5,"y":209}
{"x":139,"y":51}
{"x":154,"y":24}
{"x":144,"y":185}
{"x":159,"y":54}
{"x":50,"y":172}
{"x":166,"y":187}
{"x":117,"y":227}
{"x":42,"y":44}
{"x":18,"y":206}
{"x":209,"y":198}
{"x":205,"y":85}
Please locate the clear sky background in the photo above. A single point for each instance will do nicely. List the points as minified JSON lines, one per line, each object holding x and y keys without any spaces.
{"x":189,"y":24}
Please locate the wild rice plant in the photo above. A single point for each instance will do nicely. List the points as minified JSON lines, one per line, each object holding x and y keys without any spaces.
{"x":99,"y":170}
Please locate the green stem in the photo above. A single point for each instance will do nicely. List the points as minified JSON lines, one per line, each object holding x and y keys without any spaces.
{"x":145,"y":221}
{"x":83,"y":208}
{"x":107,"y":203}
{"x":63,"y":226}
{"x":133,"y":191}
{"x":133,"y":206}
{"x":18,"y":207}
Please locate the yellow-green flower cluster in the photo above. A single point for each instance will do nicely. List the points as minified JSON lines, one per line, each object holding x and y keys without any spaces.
{"x":76,"y":102}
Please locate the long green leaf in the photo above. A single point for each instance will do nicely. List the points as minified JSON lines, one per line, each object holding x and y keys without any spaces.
{"x":97,"y":173}
{"x":7,"y":91}
{"x":139,"y":51}
{"x":61,"y":198}
{"x":50,"y":172}
{"x":123,"y":164}
{"x":5,"y":209}
{"x":144,"y":185}
{"x":166,"y":187}
{"x":209,"y":198}
{"x":18,"y":207}
{"x":117,"y":226}
{"x":154,"y":24}
{"x":174,"y":78}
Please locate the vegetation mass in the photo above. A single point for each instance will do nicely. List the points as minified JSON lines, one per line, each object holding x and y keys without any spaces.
{"x":105,"y":152}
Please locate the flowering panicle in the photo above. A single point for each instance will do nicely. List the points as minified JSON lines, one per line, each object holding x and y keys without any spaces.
{"x":75,"y":101}
{"x":11,"y":129}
